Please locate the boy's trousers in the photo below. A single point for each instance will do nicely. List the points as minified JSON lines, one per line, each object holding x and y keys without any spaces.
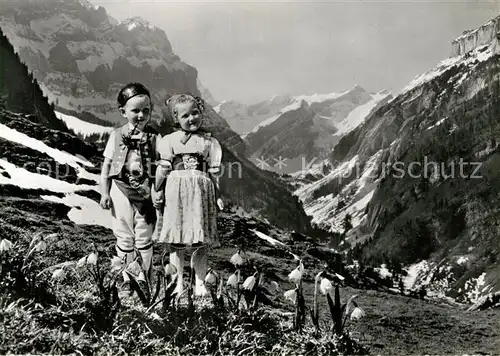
{"x":129,"y":228}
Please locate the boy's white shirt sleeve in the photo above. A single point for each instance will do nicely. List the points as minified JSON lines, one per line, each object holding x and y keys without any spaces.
{"x":110,"y":146}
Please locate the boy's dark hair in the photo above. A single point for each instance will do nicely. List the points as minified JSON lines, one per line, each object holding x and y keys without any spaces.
{"x":129,"y":91}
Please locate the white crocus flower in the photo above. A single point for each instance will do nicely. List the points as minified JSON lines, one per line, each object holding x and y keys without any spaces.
{"x":81,"y":262}
{"x":5,"y":245}
{"x":237,"y":259}
{"x":296,"y":275}
{"x":291,"y":295}
{"x":339,"y":276}
{"x":116,"y":264}
{"x":357,"y":313}
{"x":233,"y":280}
{"x":41,"y":246}
{"x":155,"y":316}
{"x":134,"y":268}
{"x":92,"y":259}
{"x":325,"y":286}
{"x":211,"y":278}
{"x":170,"y":269}
{"x":141,"y":277}
{"x":249,"y":283}
{"x":274,"y":287}
{"x":59,"y":274}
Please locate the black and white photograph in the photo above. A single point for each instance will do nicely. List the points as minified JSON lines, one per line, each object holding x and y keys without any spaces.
{"x":250,"y":177}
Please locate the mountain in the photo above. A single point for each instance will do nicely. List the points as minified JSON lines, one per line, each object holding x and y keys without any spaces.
{"x":241,"y":179}
{"x":243,"y":118}
{"x":419,"y":177}
{"x":81,"y":57}
{"x":20,"y":92}
{"x":237,"y":116}
{"x":206,"y":94}
{"x":300,"y":131}
{"x":49,"y":207}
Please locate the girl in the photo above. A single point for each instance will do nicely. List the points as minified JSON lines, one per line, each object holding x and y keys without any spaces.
{"x":190,"y":163}
{"x":126,"y":178}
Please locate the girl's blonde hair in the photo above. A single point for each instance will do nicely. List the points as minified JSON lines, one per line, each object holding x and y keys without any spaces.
{"x":173,"y":100}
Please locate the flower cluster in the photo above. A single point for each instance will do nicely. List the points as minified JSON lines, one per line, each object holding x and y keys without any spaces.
{"x":328,"y":287}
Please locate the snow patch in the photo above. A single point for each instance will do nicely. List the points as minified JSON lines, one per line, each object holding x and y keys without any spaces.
{"x":330,"y":210}
{"x":317,"y":98}
{"x":474,"y":287}
{"x":462,"y":260}
{"x":269,"y":121}
{"x":60,"y":156}
{"x":84,"y":211}
{"x":88,"y":5}
{"x":414,"y":273}
{"x":437,"y":123}
{"x":383,"y":271}
{"x":28,"y":180}
{"x":357,"y":116}
{"x":82,"y":127}
{"x":267,"y":238}
{"x":480,"y":54}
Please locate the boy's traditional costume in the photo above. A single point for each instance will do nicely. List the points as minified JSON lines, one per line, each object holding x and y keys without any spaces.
{"x":133,"y":157}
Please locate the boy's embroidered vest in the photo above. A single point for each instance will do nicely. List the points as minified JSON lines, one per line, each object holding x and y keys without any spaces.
{"x":147,"y":152}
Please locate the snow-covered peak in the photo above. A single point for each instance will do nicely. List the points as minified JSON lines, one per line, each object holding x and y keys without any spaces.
{"x":382,"y":93}
{"x":357,"y":116}
{"x":136,"y":21}
{"x":295,"y":105}
{"x":471,"y":59}
{"x":88,"y":5}
{"x":317,"y":98}
{"x":218,"y":107}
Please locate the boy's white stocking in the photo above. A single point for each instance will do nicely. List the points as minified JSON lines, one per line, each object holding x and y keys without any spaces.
{"x":128,"y":259}
{"x":143,"y":232}
{"x":147,"y":256}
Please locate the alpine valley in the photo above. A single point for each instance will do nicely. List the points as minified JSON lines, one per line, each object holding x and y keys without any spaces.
{"x":395,"y":187}
{"x":419,"y":178}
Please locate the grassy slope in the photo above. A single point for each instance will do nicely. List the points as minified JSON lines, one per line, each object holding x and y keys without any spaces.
{"x":394,"y":325}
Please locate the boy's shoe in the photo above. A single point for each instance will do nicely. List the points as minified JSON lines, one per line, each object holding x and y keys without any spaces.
{"x":125,"y":290}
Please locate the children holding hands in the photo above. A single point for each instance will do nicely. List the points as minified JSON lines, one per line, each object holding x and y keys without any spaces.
{"x":184,"y":188}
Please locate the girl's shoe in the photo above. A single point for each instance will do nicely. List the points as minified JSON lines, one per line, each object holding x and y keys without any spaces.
{"x":200,"y":290}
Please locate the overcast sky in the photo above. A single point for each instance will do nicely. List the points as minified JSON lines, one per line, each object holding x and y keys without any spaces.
{"x":250,"y":51}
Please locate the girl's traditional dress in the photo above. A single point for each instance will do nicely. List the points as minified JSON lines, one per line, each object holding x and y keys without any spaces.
{"x":190,"y":213}
{"x":189,"y":216}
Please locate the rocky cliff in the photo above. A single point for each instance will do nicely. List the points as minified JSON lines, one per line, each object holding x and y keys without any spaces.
{"x":81,"y":57}
{"x":487,"y":34}
{"x":69,"y":32}
{"x":299,"y":131}
{"x":420,"y":177}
